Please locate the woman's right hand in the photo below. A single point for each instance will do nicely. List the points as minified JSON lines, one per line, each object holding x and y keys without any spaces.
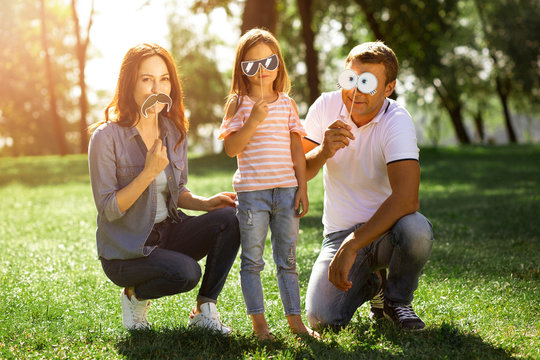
{"x":156,"y":159}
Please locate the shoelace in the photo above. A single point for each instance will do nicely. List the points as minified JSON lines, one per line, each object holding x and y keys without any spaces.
{"x":139,"y":312}
{"x":378,"y":300}
{"x":405,"y":312}
{"x":215,"y":320}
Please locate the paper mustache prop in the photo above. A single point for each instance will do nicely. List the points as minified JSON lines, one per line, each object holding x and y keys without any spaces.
{"x":251,"y":67}
{"x":150,"y":101}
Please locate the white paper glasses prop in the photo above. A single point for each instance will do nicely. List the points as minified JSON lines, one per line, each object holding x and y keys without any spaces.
{"x":251,"y":67}
{"x":365,"y":82}
{"x":151,"y":100}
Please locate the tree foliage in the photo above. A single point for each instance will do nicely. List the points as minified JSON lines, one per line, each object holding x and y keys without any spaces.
{"x":203,"y":83}
{"x":26,"y":124}
{"x":477,"y":60}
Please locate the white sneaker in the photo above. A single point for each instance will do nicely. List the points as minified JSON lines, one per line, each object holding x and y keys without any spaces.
{"x":209,"y":318}
{"x":134,"y":312}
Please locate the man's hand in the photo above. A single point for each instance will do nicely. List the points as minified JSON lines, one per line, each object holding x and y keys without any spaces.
{"x":341,"y":265}
{"x":224,"y":199}
{"x":336,"y":137}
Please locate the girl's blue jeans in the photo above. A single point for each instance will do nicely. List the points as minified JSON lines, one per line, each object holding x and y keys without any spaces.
{"x":256,"y":212}
{"x":404,"y":250}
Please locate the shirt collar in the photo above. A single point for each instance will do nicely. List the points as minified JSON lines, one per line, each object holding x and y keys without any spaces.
{"x":131,"y":132}
{"x":344,"y":113}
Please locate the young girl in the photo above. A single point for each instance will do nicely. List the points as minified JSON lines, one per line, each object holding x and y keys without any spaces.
{"x":261,"y":127}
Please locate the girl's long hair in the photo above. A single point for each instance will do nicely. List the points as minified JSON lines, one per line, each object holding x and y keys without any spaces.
{"x":124,"y":110}
{"x":240,"y":82}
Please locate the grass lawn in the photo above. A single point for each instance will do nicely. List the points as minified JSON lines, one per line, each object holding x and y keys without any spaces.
{"x":479,"y":294}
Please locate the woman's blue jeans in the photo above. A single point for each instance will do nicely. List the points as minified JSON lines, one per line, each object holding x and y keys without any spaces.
{"x":404,"y":250}
{"x":256,"y":211}
{"x":172,"y":267}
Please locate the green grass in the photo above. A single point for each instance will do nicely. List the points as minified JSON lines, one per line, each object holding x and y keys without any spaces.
{"x":479,"y":293}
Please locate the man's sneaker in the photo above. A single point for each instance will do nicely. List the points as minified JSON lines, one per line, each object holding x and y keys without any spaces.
{"x":208,"y":318}
{"x":376,"y":309}
{"x":404,"y":317}
{"x":134,"y":312}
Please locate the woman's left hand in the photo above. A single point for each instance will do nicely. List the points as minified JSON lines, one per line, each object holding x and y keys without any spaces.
{"x":224,"y":199}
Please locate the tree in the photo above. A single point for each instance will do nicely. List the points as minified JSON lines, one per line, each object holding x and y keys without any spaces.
{"x":203,"y":84}
{"x":512,"y":34}
{"x":26,"y":122}
{"x":80,"y":50}
{"x":311,"y":57}
{"x":261,"y":14}
{"x":419,"y":32}
{"x":57,"y":122}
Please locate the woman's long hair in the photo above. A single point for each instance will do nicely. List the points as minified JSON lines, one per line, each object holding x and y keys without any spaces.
{"x":124,"y":110}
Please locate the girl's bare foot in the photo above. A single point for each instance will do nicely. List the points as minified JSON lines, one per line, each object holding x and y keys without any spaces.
{"x":260,"y":327}
{"x":298,"y":327}
{"x":265,"y":336}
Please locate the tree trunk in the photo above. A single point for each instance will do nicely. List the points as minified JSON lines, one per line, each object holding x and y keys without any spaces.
{"x":81,"y":47}
{"x":57,"y":122}
{"x":370,"y":18}
{"x":457,"y":121}
{"x":312,"y":57}
{"x":261,"y":14}
{"x":453,"y":106}
{"x":479,"y":124}
{"x":503,"y":92}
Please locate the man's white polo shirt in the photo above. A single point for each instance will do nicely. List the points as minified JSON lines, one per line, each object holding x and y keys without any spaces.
{"x":356,"y":179}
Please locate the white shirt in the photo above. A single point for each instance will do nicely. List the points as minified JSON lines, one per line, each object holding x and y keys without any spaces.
{"x":162,"y":194}
{"x":356,"y":178}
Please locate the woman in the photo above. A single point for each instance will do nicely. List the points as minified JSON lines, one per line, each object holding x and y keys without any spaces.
{"x":138,"y":171}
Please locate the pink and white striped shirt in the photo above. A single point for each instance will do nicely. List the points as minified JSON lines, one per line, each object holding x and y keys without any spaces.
{"x":266,"y":161}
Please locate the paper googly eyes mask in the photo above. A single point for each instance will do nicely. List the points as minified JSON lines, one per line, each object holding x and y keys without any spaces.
{"x":150,"y":101}
{"x":251,"y":67}
{"x":365,"y":82}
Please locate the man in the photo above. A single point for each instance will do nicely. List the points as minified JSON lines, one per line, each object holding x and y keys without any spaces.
{"x":367,"y":145}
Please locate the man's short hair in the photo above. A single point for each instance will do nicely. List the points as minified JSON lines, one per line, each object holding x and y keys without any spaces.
{"x":376,"y":53}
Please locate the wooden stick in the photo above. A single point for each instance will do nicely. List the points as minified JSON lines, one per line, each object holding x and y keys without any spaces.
{"x":262,"y":95}
{"x":354,"y":95}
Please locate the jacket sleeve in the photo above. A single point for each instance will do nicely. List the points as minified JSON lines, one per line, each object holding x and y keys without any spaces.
{"x":102,"y":165}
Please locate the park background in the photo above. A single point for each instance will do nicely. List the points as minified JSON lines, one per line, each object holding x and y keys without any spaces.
{"x":470,"y":69}
{"x":470,"y":76}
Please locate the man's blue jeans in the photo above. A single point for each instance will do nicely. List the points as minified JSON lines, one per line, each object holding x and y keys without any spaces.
{"x":404,"y":250}
{"x":256,"y":211}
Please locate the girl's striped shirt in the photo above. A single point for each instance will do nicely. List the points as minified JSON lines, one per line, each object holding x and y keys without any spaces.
{"x":266,"y":161}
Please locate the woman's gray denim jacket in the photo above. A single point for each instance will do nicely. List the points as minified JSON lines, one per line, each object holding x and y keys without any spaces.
{"x":116,"y":155}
